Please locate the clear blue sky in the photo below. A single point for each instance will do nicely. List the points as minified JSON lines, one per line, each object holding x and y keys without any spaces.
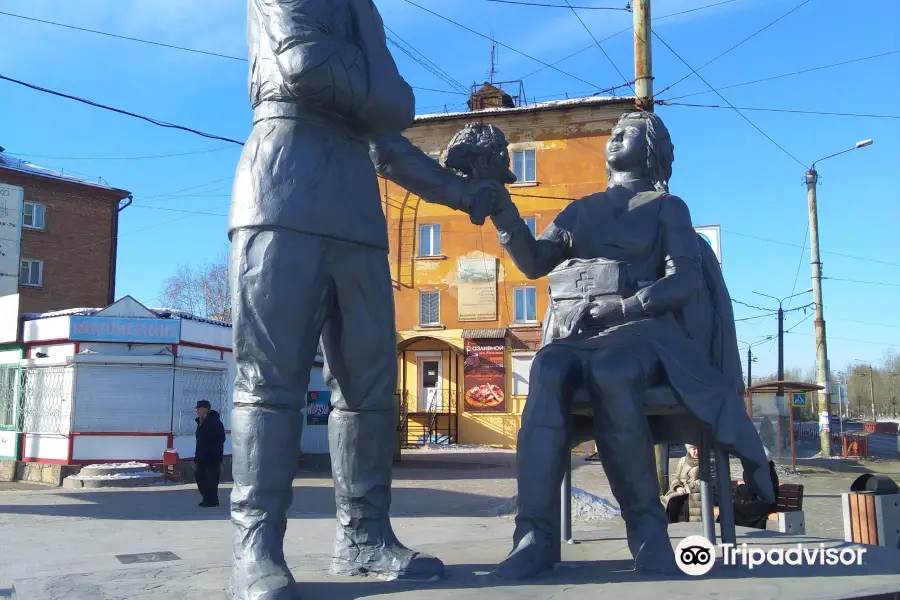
{"x":726,"y":170}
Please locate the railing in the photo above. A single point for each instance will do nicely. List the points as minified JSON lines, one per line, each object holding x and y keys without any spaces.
{"x":434,"y":420}
{"x":849,"y":444}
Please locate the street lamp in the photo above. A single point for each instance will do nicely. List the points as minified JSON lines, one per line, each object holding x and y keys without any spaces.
{"x":812,"y":178}
{"x":752,"y":359}
{"x":871,"y":386}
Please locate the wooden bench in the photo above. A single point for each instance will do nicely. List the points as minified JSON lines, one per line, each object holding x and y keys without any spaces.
{"x":788,"y":517}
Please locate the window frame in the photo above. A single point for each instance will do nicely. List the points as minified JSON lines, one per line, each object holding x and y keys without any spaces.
{"x":31,"y":262}
{"x":432,"y":227}
{"x":524,"y":289}
{"x":533,"y":219}
{"x":43,"y":212}
{"x":422,"y":322}
{"x":523,"y":151}
{"x":516,"y":391}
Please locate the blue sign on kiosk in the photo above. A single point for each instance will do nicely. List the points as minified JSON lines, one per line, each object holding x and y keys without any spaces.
{"x":124,"y":330}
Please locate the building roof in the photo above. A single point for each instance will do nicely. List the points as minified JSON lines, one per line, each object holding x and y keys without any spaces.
{"x":23,"y":166}
{"x":537,"y":107}
{"x":163,"y":313}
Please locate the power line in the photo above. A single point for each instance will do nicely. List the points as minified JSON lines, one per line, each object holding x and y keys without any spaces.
{"x":428,"y":64}
{"x":618,"y":33}
{"x":746,"y":39}
{"x":743,"y":116}
{"x":478,"y":33}
{"x":172,"y":46}
{"x":783,"y":243}
{"x":28,"y":155}
{"x":756,"y":317}
{"x":179,"y":210}
{"x":779,"y":110}
{"x":884,"y":283}
{"x":558,"y":5}
{"x":799,"y":265}
{"x":797,"y":324}
{"x":120,"y":111}
{"x":753,"y":306}
{"x":125,"y":37}
{"x":586,"y":28}
{"x":831,"y":337}
{"x":783,"y":75}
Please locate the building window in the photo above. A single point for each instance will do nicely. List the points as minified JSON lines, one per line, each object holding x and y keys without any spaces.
{"x":31,"y":273}
{"x":521,"y":368}
{"x":532,"y":224}
{"x":429,"y":240}
{"x":33,"y":216}
{"x":523,"y":166}
{"x":526,"y":304}
{"x":429,"y":307}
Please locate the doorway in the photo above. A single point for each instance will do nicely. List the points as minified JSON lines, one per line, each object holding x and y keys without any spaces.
{"x":430,"y":399}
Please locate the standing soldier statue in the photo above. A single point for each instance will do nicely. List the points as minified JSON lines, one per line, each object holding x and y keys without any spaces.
{"x":310,"y":259}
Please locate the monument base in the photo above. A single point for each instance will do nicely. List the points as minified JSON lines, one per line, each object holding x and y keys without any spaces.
{"x":598,"y":565}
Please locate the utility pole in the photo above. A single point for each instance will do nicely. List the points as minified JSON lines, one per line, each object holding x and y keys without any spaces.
{"x":643,"y":62}
{"x":643,"y":90}
{"x":749,"y":363}
{"x":872,"y":393}
{"x":812,"y":179}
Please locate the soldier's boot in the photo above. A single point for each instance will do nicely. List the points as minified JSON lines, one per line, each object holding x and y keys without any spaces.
{"x":362,"y":452}
{"x":265,"y":451}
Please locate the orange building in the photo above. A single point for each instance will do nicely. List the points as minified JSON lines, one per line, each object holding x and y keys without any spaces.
{"x":468,"y":321}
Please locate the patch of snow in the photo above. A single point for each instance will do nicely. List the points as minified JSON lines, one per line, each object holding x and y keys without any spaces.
{"x":531,"y":107}
{"x":456,"y":448}
{"x":118,"y":476}
{"x":125,"y":465}
{"x":586,"y":507}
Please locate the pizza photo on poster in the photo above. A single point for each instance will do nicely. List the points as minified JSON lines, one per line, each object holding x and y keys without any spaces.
{"x":484,"y":375}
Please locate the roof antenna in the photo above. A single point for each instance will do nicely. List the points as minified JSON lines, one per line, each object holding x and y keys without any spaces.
{"x":495,"y":57}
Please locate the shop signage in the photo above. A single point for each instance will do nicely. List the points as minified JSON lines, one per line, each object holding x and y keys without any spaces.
{"x":484,"y":375}
{"x":477,"y":289}
{"x":124,"y":330}
{"x":317,"y":407}
{"x":712,"y":235}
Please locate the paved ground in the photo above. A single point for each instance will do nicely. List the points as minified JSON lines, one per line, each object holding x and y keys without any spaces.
{"x":49,"y":532}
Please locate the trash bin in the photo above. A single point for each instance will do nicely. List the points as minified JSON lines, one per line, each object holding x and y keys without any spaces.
{"x":872,"y":511}
{"x":171,"y":465}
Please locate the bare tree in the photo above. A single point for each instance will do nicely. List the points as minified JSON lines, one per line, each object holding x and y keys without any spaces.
{"x":201,"y":289}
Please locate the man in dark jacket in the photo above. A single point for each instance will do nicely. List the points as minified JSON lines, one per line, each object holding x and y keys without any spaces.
{"x":208,"y":454}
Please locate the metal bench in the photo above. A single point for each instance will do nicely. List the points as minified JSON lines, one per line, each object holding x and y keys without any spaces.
{"x":670,"y":423}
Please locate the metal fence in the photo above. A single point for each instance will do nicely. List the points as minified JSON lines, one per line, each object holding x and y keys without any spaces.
{"x":47,"y":399}
{"x":193,"y":384}
{"x":10,"y":386}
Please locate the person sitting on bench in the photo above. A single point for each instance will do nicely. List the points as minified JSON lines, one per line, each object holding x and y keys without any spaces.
{"x":685,"y":484}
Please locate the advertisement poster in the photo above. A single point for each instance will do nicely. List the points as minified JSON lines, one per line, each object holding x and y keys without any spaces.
{"x":317,"y":407}
{"x":10,"y":237}
{"x":484,"y":374}
{"x":477,"y":291}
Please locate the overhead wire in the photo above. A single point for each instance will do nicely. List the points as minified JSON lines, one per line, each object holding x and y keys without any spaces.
{"x":507,"y":46}
{"x":541,"y":4}
{"x":124,"y":37}
{"x":156,"y":122}
{"x":779,"y":110}
{"x":784,"y":75}
{"x":719,"y":94}
{"x":740,"y":43}
{"x":44,"y":156}
{"x":618,"y":33}
{"x":590,"y":33}
{"x":783,"y":243}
